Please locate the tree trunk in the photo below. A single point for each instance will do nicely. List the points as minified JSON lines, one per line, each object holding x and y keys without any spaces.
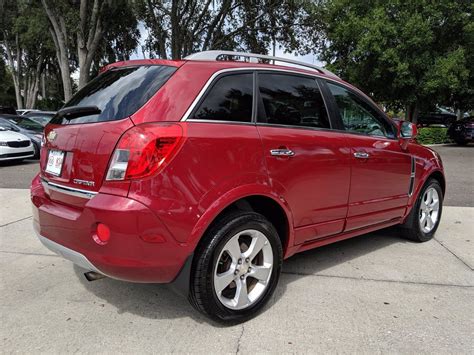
{"x":83,"y":69}
{"x":32,"y":87}
{"x":43,"y":86}
{"x":89,"y":35}
{"x":65,"y":75}
{"x":16,"y":70}
{"x":412,"y":111}
{"x":59,"y":35}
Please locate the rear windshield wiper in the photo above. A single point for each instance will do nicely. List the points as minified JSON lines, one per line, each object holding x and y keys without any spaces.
{"x":72,"y":112}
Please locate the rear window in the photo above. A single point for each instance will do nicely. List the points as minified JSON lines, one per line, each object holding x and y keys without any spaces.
{"x":118,"y":92}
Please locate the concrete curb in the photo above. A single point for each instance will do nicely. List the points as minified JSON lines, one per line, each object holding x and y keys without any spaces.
{"x":440,"y":145}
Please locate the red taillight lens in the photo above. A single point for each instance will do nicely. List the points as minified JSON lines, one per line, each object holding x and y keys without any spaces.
{"x":144,"y":150}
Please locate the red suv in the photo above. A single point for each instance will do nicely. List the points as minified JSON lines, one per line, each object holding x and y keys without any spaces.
{"x":208,"y":172}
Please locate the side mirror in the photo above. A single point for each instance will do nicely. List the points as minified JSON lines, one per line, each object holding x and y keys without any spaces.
{"x":407,"y":132}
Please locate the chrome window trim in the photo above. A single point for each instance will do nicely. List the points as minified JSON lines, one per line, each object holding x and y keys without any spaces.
{"x":204,"y":89}
{"x":67,"y":190}
{"x":221,"y":121}
{"x":197,"y":99}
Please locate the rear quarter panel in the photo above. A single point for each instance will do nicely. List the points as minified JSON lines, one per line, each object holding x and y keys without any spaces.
{"x":215,"y":160}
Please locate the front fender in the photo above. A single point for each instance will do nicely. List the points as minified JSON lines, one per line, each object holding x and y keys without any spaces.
{"x":428,"y":162}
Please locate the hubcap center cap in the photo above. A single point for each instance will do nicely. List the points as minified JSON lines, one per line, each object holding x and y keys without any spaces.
{"x":243,"y":269}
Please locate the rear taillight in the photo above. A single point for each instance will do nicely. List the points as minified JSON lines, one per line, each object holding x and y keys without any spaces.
{"x":144,"y":150}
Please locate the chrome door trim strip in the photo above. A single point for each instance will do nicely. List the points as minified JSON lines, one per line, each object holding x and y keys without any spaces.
{"x":412,"y":176}
{"x":67,"y":190}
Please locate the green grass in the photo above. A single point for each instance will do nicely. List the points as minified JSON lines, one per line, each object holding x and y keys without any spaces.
{"x":433,"y":135}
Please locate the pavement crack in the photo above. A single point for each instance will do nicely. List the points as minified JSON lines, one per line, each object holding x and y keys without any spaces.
{"x":377,"y":280}
{"x":24,"y":253}
{"x":457,"y":257}
{"x":18,"y":220}
{"x":240,"y":338}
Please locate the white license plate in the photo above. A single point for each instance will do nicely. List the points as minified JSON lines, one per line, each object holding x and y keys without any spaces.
{"x":55,"y":162}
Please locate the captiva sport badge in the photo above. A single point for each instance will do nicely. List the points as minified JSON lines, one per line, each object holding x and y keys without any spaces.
{"x":83,"y":182}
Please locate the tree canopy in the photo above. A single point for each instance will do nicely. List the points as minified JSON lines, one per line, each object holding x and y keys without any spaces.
{"x":414,"y":53}
{"x":407,"y":54}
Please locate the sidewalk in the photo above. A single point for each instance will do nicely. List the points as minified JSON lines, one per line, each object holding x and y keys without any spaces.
{"x":374,"y":293}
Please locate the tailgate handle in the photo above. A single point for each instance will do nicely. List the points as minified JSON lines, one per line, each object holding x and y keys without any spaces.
{"x":282,"y":152}
{"x":361,"y":155}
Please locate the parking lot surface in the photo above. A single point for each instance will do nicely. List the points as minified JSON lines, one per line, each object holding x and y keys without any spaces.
{"x":374,"y":293}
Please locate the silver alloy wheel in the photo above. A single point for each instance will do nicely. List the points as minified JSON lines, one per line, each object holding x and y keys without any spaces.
{"x":429,"y":210}
{"x":243,"y":269}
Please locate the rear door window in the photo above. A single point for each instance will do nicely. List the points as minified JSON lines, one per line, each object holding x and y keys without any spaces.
{"x":229,"y":99}
{"x":291,"y":100}
{"x":118,"y":92}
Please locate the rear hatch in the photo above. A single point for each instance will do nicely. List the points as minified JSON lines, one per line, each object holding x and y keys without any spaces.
{"x":81,"y":137}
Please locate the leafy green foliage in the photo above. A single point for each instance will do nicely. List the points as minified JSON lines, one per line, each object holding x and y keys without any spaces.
{"x":7,"y":92}
{"x":433,"y":135}
{"x":404,"y":52}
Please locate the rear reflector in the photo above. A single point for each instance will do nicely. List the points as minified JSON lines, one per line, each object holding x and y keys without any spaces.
{"x":144,"y":150}
{"x":102,"y":234}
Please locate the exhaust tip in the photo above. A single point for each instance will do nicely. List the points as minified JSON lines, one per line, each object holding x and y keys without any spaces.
{"x":92,"y":276}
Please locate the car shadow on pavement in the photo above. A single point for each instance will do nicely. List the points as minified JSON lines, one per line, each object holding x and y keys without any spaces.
{"x":159,"y":301}
{"x":18,"y":162}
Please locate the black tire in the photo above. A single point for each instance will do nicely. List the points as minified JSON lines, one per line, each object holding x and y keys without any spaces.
{"x":411,"y":229}
{"x":202,"y":295}
{"x":449,"y":122}
{"x":461,"y":142}
{"x":37,"y":149}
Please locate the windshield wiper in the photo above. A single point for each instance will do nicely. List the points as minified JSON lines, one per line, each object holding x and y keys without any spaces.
{"x":72,"y":112}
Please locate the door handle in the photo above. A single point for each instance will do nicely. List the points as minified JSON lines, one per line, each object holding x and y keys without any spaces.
{"x":282,"y":152}
{"x":361,"y":155}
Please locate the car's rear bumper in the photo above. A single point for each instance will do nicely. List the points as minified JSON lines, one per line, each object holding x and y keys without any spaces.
{"x":69,"y":254}
{"x":68,"y":230}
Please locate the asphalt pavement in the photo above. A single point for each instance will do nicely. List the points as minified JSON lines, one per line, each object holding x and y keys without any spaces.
{"x":376,"y":293}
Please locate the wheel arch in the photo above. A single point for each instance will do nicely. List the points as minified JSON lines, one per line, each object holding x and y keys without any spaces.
{"x":438,"y":176}
{"x":275,"y":211}
{"x":435,"y":174}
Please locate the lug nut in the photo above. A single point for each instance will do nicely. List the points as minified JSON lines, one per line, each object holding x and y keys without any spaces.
{"x":242,"y":277}
{"x":240,"y":261}
{"x":247,"y":260}
{"x":236,"y":272}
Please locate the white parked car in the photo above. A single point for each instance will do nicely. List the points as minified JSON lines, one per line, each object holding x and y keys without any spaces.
{"x":14,"y":145}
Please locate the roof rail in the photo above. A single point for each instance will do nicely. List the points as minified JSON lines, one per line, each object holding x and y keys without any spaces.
{"x":253,"y":58}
